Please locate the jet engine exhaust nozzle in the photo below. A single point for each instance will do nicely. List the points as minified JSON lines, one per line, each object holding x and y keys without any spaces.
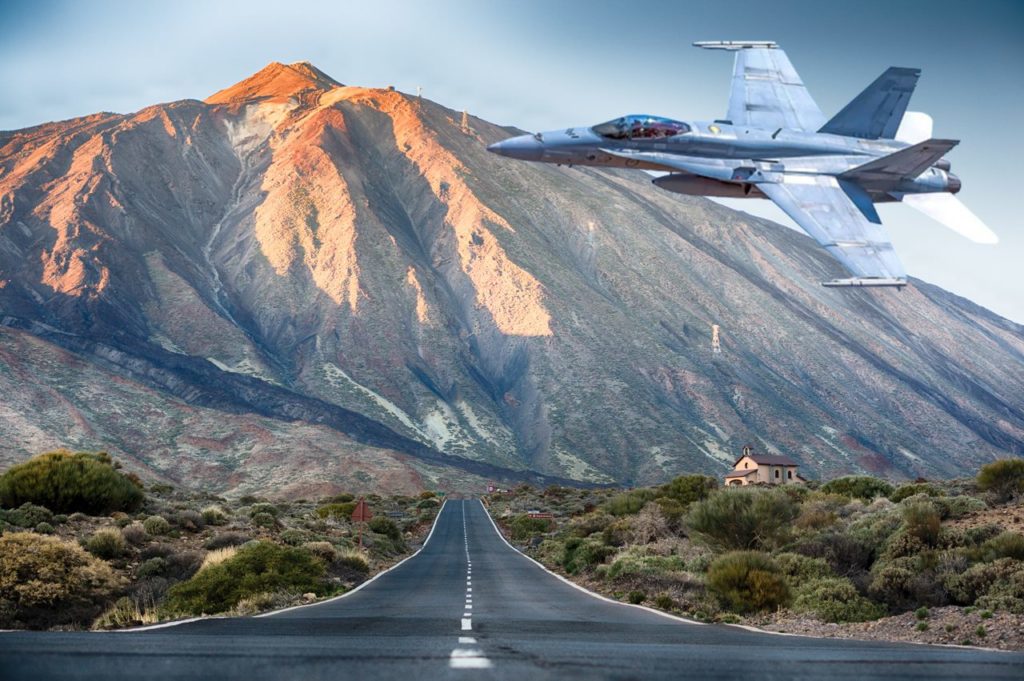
{"x":954,"y":184}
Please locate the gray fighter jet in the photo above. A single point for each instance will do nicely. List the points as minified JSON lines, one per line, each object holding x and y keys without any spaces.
{"x":775,"y":143}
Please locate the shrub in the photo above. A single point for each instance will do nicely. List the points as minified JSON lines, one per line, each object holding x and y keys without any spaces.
{"x":189,"y":520}
{"x":913,"y":489}
{"x":385,"y":526}
{"x":45,"y":582}
{"x":44,"y":528}
{"x":921,"y":519}
{"x":524,"y":527}
{"x":106,"y":543}
{"x":324,"y":550}
{"x":858,"y":487}
{"x":219,"y":541}
{"x":628,"y":503}
{"x":687,"y":489}
{"x":922,"y":613}
{"x":135,"y":534}
{"x":353,"y":560}
{"x":582,"y":554}
{"x":1005,"y":595}
{"x":264,"y":520}
{"x":28,"y":515}
{"x":630,"y":564}
{"x":269,"y":509}
{"x":648,"y":525}
{"x":294,"y":537}
{"x":154,"y":567}
{"x":218,"y":556}
{"x":156,"y":525}
{"x":342,"y":511}
{"x":747,"y":581}
{"x":847,"y":555}
{"x":905,"y":583}
{"x":257,"y":568}
{"x":214,"y":515}
{"x":636,"y":597}
{"x":1003,"y":545}
{"x":743,"y":519}
{"x":1003,"y":478}
{"x":800,"y":569}
{"x":425,"y":503}
{"x":664,"y":602}
{"x":67,"y":482}
{"x":835,"y":599}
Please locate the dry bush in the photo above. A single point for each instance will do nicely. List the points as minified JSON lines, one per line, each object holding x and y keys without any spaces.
{"x":45,"y":581}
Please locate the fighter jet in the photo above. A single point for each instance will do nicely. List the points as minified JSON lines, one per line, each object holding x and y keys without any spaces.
{"x":775,"y":143}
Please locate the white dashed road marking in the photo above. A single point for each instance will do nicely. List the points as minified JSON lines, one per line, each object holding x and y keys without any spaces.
{"x":468,"y":658}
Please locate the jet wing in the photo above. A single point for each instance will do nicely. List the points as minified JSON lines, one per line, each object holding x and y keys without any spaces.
{"x":766,"y":90}
{"x":823,"y":209}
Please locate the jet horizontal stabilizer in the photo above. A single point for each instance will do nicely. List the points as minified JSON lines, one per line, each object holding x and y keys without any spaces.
{"x":866,"y":281}
{"x":886,"y":173}
{"x":736,"y":44}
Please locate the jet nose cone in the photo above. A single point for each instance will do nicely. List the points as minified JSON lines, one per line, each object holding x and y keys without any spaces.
{"x":524,"y":147}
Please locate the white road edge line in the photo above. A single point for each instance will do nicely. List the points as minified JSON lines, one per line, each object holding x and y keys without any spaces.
{"x":164,"y":625}
{"x":467,"y":624}
{"x":583,"y":589}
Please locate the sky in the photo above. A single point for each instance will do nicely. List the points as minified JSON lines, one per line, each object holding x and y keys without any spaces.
{"x":548,"y":65}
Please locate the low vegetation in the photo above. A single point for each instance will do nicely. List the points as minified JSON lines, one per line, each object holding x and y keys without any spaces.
{"x":92,"y":547}
{"x":849,"y":550}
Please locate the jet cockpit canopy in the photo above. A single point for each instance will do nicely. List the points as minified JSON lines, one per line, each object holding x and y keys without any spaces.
{"x":641,"y":127}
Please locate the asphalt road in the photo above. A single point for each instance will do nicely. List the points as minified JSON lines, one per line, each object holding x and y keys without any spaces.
{"x":469,"y":606}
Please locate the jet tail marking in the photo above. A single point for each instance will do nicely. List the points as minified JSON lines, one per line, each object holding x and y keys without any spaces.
{"x":877,"y":111}
{"x":884,"y":174}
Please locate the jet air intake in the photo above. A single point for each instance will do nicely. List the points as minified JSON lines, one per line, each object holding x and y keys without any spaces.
{"x":695,"y":185}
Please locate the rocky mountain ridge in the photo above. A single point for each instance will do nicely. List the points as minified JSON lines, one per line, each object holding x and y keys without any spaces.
{"x":293,"y":242}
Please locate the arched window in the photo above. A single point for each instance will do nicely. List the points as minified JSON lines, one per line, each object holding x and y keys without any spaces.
{"x":789,"y":474}
{"x":776,"y":472}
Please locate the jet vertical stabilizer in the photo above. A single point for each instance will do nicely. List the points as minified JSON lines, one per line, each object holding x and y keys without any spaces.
{"x":877,"y":111}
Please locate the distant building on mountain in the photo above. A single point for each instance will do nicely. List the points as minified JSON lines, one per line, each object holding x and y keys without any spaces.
{"x":768,"y":469}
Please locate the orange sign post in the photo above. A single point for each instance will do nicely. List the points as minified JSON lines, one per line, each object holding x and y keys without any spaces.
{"x":360,"y":514}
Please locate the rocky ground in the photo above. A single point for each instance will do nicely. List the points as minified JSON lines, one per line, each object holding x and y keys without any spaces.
{"x":948,"y":625}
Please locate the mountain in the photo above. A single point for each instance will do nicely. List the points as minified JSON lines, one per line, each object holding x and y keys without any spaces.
{"x":347,"y":272}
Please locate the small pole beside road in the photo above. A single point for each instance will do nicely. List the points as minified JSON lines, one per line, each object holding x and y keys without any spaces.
{"x":360,"y":514}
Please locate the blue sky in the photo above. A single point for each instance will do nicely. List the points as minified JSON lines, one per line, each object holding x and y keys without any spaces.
{"x":546,"y":65}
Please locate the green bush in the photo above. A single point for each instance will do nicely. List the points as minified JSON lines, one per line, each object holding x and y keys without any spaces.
{"x":265,"y":520}
{"x":636,"y":597}
{"x":44,"y":528}
{"x":748,"y":581}
{"x":582,"y":554}
{"x":800,"y":569}
{"x":913,"y":489}
{"x":630,"y":564}
{"x":907,"y":583}
{"x":966,"y":587}
{"x":269,"y":509}
{"x":847,"y":555}
{"x":628,"y":503}
{"x":858,"y":487}
{"x":106,"y":543}
{"x":341,"y":511}
{"x":353,"y":560}
{"x":385,"y":526}
{"x":922,"y":520}
{"x":154,"y":567}
{"x":1003,"y":545}
{"x":958,"y":506}
{"x":1005,"y":595}
{"x":523,"y":527}
{"x":156,"y":525}
{"x":687,"y":489}
{"x":1003,"y":478}
{"x":324,"y":550}
{"x":260,"y":567}
{"x":28,"y":515}
{"x":835,"y":599}
{"x":743,"y":518}
{"x":45,"y":582}
{"x":214,"y":515}
{"x":67,"y":482}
